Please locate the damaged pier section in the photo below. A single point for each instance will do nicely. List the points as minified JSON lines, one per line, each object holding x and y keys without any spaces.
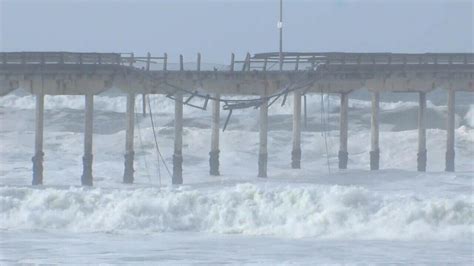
{"x":300,"y":74}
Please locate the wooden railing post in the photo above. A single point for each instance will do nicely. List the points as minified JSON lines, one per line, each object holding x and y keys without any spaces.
{"x":199,"y":62}
{"x":148,"y":61}
{"x":248,"y":61}
{"x":232,"y":62}
{"x":165,"y":62}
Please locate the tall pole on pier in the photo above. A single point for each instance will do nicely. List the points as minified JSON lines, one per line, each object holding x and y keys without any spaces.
{"x":280,"y":26}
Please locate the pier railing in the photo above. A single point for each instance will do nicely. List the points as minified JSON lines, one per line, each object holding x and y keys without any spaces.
{"x":257,"y":62}
{"x":59,"y":58}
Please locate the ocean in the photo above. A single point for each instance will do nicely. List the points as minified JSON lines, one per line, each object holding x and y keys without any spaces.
{"x":318,"y":214}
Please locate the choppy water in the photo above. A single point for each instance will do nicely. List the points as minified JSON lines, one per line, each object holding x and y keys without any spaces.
{"x":295,"y":216}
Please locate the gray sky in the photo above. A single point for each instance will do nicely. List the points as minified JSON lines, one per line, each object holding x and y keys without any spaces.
{"x":217,"y":28}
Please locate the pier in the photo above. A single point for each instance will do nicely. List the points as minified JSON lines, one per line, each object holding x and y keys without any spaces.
{"x":265,"y":78}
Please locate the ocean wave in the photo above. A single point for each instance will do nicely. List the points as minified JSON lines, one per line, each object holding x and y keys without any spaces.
{"x":326,"y":212}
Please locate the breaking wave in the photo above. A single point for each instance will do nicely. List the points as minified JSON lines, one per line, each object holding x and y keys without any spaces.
{"x":326,"y":212}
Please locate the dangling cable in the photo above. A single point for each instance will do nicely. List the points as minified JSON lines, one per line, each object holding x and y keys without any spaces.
{"x":323,"y":124}
{"x":159,"y":155}
{"x":142,"y":146}
{"x":328,"y":126}
{"x":154,"y":137}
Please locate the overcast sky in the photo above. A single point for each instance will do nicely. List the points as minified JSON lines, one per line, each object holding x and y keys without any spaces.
{"x":217,"y":28}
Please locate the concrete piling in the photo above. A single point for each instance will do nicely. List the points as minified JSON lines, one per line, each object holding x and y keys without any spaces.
{"x":450,"y":153}
{"x":87,"y":159}
{"x":343,"y":128}
{"x":296,"y":151}
{"x":144,"y":104}
{"x":263,"y":134}
{"x":214,"y":153}
{"x":39,"y":154}
{"x":129,"y":135}
{"x":422,"y":153}
{"x":374,"y":122}
{"x":178,"y":140}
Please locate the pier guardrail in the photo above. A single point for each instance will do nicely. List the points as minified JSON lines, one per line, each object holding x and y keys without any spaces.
{"x":257,"y":62}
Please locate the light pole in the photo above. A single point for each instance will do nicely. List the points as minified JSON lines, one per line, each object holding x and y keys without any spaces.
{"x":280,"y":26}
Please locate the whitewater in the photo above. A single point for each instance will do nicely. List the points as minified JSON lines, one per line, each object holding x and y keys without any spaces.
{"x":318,"y":214}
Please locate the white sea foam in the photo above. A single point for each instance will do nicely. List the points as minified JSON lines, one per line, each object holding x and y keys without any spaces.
{"x":328,"y":212}
{"x":117,"y":103}
{"x":341,"y":213}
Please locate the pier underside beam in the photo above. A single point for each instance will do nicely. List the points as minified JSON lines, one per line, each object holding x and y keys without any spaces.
{"x":214,"y":153}
{"x":296,"y":151}
{"x":178,"y":140}
{"x":129,"y":135}
{"x":343,"y":127}
{"x":39,"y":154}
{"x":450,"y":153}
{"x":422,"y":152}
{"x":374,"y":123}
{"x":87,"y":159}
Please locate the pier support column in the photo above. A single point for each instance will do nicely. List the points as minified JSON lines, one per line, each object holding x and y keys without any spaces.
{"x":263,"y":133}
{"x":343,"y":128}
{"x":129,"y":134}
{"x":450,"y":154}
{"x":143,"y":104}
{"x":421,"y":156}
{"x":39,"y":154}
{"x":214,"y":154}
{"x":86,"y":178}
{"x":296,"y":152}
{"x":178,"y":140}
{"x":374,"y":122}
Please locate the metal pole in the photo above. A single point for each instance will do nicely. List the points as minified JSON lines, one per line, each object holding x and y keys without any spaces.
{"x":280,"y":26}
